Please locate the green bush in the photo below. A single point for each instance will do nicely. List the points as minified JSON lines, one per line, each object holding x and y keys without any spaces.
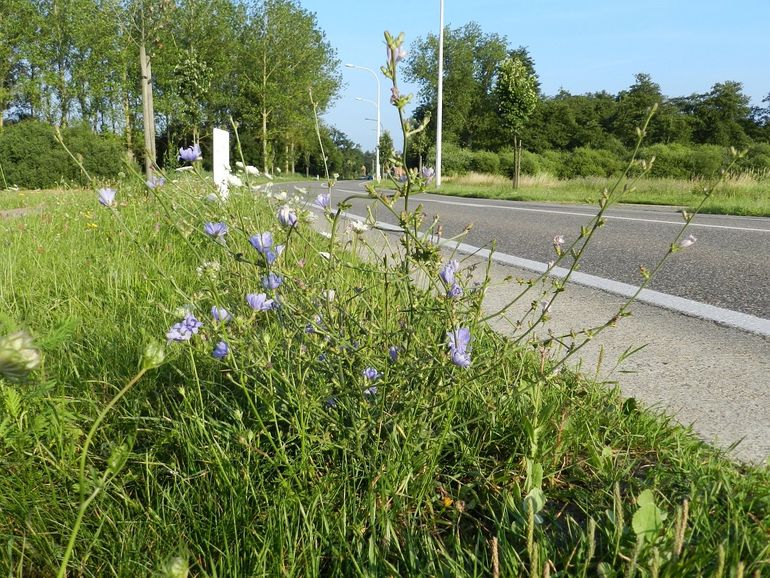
{"x":679,"y":161}
{"x":586,"y":162}
{"x":485,"y":162}
{"x":530,"y":162}
{"x":455,"y":160}
{"x":32,"y":158}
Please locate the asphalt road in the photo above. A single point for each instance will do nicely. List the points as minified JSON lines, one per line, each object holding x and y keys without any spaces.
{"x":728,"y":266}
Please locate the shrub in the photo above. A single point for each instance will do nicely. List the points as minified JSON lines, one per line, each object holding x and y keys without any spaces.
{"x":679,"y":161}
{"x":586,"y":162}
{"x":455,"y":160}
{"x":485,"y":162}
{"x":530,"y":162}
{"x":32,"y":158}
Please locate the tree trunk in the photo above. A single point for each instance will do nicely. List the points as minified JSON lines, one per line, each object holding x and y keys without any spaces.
{"x":286,"y":158}
{"x":516,"y":161}
{"x":292,"y":158}
{"x":149,"y":112}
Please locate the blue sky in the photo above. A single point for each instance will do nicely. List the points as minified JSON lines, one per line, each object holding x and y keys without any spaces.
{"x":685,"y":45}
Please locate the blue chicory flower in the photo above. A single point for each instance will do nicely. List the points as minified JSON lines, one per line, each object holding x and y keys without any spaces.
{"x":448,"y":271}
{"x":454,"y":291}
{"x":155,"y":182}
{"x":271,"y":281}
{"x":191,"y":154}
{"x":271,"y":255}
{"x":287,"y":216}
{"x":262,"y":242}
{"x":370,"y":391}
{"x":393,"y":352}
{"x":221,"y":350}
{"x":323,"y":201}
{"x":370,"y":373}
{"x":185,"y":329}
{"x":459,"y":346}
{"x":260,"y":302}
{"x":107,"y":197}
{"x":215,"y":230}
{"x":220,"y":314}
{"x":428,"y":173}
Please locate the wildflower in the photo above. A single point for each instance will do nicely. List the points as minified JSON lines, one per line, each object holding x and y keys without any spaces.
{"x":448,"y":271}
{"x":262,"y":242}
{"x":216,"y":230}
{"x":287,"y":216}
{"x":396,"y":55}
{"x":323,"y":201}
{"x":558,"y":240}
{"x":221,"y":350}
{"x":359,"y":227}
{"x":107,"y":197}
{"x":428,"y":173}
{"x":331,"y":403}
{"x":458,"y":341}
{"x":190,"y":154}
{"x":271,"y":281}
{"x":370,"y":391}
{"x":220,"y":314}
{"x":18,"y":355}
{"x":260,"y":302}
{"x":209,"y":269}
{"x":185,"y":329}
{"x":370,"y":373}
{"x":394,"y":96}
{"x":155,"y":182}
{"x":454,"y":291}
{"x":329,"y":295}
{"x":234,"y":180}
{"x":687,"y":241}
{"x":393,"y":353}
{"x":272,"y":255}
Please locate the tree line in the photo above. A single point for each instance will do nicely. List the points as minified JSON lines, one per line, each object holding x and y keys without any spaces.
{"x":263,"y":63}
{"x":482,"y":117}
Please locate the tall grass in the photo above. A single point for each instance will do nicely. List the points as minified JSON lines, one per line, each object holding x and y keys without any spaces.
{"x":741,"y":194}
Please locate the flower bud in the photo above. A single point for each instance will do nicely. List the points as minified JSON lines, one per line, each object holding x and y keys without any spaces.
{"x":154,"y":355}
{"x":18,"y":355}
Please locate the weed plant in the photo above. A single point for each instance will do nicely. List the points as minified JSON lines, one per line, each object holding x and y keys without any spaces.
{"x":204,"y":398}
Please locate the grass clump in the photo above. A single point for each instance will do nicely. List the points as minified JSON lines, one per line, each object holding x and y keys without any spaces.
{"x":742,"y":194}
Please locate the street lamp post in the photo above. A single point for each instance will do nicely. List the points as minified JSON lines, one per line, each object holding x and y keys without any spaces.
{"x":439,"y":112}
{"x":376,"y":148}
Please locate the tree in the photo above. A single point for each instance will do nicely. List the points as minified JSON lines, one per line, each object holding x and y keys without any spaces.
{"x":283,"y":56}
{"x":721,"y":115}
{"x":471,"y":59}
{"x":517,"y":96}
{"x":387,"y":151}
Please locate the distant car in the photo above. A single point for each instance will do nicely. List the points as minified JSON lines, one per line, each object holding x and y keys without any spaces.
{"x":366,"y":178}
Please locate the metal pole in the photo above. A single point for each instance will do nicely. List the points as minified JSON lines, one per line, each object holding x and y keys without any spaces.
{"x":439,"y":112}
{"x":377,"y":147}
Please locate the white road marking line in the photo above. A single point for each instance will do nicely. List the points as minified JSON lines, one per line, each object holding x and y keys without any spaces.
{"x":578,"y":214}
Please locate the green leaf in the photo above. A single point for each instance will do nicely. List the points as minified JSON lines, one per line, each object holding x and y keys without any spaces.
{"x":648,"y":519}
{"x":535,"y":500}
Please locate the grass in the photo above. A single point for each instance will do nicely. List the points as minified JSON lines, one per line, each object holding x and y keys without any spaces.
{"x":276,"y":461}
{"x":742,"y":195}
